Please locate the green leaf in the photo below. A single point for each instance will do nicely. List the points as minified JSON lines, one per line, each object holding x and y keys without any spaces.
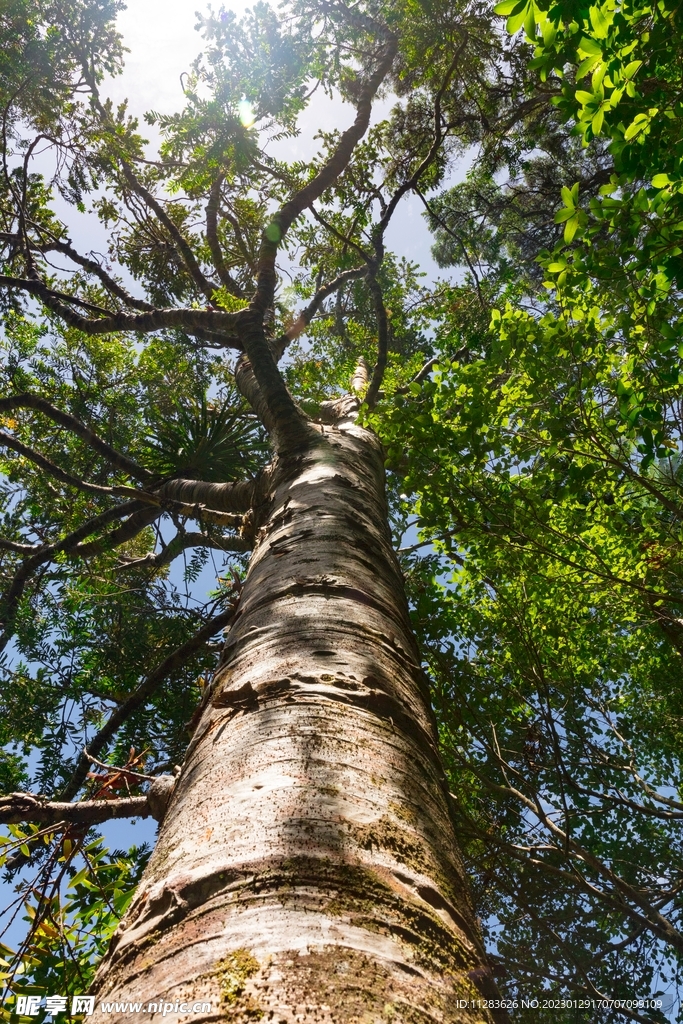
{"x":630,"y":69}
{"x":567,"y":197}
{"x":79,"y":877}
{"x":570,"y":229}
{"x":600,"y":22}
{"x":661,"y":180}
{"x":508,"y":7}
{"x":587,"y":65}
{"x":549,"y":31}
{"x":515,"y":21}
{"x":639,"y":122}
{"x":530,"y":23}
{"x":589,"y":46}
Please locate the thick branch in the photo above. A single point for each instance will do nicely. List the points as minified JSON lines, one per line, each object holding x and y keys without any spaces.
{"x":237,"y":496}
{"x":34,"y":286}
{"x":361,"y":376}
{"x":214,"y":339}
{"x":325,"y":177}
{"x":289,"y":418}
{"x":7,"y":441}
{"x":181,"y":542}
{"x":202,"y":514}
{"x":18,"y":807}
{"x":286,"y":422}
{"x":213,"y":320}
{"x":92,"y":266}
{"x":247,"y":385}
{"x":17,"y":547}
{"x":123,"y":533}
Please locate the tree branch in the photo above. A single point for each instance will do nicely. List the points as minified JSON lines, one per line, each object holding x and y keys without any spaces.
{"x":34,"y":286}
{"x":413,"y":180}
{"x":224,"y":274}
{"x":241,"y":243}
{"x":117,"y":459}
{"x":141,"y":695}
{"x":19,"y":807}
{"x":361,"y":376}
{"x":127,"y":531}
{"x":423,"y":373}
{"x":456,"y":237}
{"x":291,"y":422}
{"x":344,"y":239}
{"x":7,"y":441}
{"x":237,"y":496}
{"x":308,"y":312}
{"x":206,"y":287}
{"x":45,"y":552}
{"x":92,"y":266}
{"x":155,"y":320}
{"x":240,"y":495}
{"x":181,"y":542}
{"x":247,"y":385}
{"x":327,"y":174}
{"x":18,"y":548}
{"x":659,"y":924}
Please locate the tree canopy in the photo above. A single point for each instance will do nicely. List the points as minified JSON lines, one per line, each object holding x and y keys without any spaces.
{"x":528,"y":401}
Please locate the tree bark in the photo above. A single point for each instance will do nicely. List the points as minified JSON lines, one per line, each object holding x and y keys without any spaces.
{"x":306,"y":869}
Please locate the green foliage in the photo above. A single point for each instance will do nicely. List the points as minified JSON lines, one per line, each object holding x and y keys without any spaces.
{"x":86,"y":633}
{"x":542,"y":459}
{"x":84,"y":890}
{"x":538,"y":457}
{"x":550,"y":621}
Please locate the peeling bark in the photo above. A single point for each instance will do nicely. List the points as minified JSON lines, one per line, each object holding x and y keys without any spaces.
{"x":306,"y":868}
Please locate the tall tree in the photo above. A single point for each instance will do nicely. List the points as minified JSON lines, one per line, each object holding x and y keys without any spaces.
{"x":306,"y":860}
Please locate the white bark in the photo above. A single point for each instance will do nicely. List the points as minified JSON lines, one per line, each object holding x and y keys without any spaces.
{"x":306,"y":869}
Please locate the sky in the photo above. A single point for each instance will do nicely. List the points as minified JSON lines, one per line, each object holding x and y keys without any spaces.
{"x":161,"y":38}
{"x":162,"y":43}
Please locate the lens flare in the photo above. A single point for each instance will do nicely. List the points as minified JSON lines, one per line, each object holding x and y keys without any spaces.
{"x":246,"y":112}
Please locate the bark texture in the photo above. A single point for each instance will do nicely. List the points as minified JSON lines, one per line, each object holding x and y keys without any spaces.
{"x":306,"y":868}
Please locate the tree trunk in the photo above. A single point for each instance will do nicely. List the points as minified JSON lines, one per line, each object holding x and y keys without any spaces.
{"x":306,"y":868}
